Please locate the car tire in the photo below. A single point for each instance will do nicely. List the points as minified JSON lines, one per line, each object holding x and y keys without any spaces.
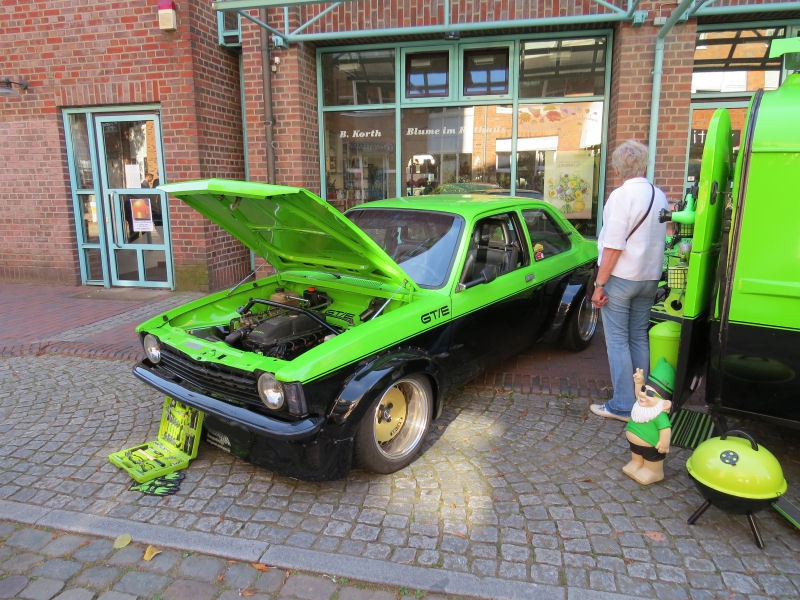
{"x":581,"y":325}
{"x":394,"y":428}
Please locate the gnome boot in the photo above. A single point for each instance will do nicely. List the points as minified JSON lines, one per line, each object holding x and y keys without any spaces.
{"x":634,"y":465}
{"x":650,"y":472}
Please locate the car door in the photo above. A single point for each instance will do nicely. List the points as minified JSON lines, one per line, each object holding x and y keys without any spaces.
{"x":493,"y":320}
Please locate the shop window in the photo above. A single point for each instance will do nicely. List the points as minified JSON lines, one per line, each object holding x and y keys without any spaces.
{"x":558,"y":147}
{"x":735,"y":61}
{"x":427,"y":74}
{"x":455,"y":149}
{"x":360,"y":155}
{"x":485,"y":72}
{"x":364,"y":77}
{"x":562,"y":68}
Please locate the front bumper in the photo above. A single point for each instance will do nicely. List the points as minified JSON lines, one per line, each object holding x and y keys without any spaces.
{"x":304,"y":449}
{"x":260,"y":425}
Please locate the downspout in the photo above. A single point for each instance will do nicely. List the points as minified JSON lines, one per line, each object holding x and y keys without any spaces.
{"x":658,"y":75}
{"x":266,"y":75}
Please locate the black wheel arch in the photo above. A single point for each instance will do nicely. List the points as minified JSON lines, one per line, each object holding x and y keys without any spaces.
{"x":374,"y":377}
{"x":573,"y":289}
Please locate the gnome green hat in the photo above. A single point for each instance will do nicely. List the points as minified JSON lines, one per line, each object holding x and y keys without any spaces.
{"x":662,"y":379}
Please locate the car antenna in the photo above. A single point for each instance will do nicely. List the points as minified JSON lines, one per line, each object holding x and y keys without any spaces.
{"x":389,"y":299}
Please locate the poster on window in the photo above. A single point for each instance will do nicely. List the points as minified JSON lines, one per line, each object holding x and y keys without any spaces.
{"x":142,"y":214}
{"x":568,"y":182}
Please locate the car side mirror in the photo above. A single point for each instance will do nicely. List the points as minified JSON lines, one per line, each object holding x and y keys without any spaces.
{"x":488,"y":274}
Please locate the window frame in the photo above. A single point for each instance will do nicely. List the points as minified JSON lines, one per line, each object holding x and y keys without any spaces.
{"x":406,"y":54}
{"x":464,"y":49}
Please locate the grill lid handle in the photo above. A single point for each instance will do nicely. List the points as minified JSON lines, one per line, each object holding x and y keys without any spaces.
{"x":740,"y":433}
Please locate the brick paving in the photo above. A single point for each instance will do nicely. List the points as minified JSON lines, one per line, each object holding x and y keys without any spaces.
{"x":518,"y":494}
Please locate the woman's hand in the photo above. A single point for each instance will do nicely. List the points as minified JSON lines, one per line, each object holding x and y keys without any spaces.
{"x":599,"y":298}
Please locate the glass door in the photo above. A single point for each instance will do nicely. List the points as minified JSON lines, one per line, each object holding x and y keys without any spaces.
{"x":135,"y":223}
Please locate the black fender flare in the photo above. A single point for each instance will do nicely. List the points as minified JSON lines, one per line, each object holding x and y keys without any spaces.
{"x":574,"y":288}
{"x":372,"y":378}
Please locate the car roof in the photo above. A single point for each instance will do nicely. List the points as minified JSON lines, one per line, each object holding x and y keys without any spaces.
{"x":467,"y":205}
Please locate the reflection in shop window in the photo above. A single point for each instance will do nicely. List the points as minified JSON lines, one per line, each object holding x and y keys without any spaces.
{"x":81,"y":158}
{"x":736,"y":60}
{"x":558,"y":157}
{"x":562,"y":68}
{"x":360,"y":155}
{"x":455,"y":149}
{"x":427,"y":74}
{"x":363,"y":77}
{"x":485,"y":72}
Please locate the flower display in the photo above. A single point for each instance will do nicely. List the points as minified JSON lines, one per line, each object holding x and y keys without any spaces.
{"x":569,"y":191}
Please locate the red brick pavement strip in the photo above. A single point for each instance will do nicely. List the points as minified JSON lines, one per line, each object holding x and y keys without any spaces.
{"x":32,"y":316}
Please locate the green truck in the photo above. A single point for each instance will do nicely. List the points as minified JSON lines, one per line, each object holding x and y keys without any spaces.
{"x":731,"y":315}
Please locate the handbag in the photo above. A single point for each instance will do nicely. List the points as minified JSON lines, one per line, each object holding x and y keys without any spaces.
{"x":596,"y":268}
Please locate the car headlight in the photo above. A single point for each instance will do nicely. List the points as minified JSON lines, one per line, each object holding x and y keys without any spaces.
{"x":274,"y":394}
{"x":270,"y":390}
{"x":152,"y":348}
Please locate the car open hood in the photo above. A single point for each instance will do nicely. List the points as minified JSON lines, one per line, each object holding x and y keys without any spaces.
{"x":290,"y":227}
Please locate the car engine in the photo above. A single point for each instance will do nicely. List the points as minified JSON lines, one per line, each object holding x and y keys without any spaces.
{"x":282,"y":331}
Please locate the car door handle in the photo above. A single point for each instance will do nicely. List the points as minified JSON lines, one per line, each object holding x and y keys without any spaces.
{"x":530,"y":277}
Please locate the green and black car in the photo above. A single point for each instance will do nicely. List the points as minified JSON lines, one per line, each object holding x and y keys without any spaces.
{"x":348,"y":349}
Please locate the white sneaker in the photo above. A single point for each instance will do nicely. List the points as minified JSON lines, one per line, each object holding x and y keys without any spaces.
{"x":601,"y":411}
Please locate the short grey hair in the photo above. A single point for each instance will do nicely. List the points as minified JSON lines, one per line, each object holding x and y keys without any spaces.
{"x":630,"y":158}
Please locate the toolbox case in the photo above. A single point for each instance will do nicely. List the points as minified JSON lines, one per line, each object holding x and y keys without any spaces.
{"x":177,"y":443}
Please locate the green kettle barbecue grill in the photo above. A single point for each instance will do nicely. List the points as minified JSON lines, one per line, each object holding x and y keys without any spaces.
{"x":736,"y":475}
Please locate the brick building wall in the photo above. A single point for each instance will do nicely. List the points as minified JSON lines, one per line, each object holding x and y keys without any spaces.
{"x":633,"y":61}
{"x":113,"y":54}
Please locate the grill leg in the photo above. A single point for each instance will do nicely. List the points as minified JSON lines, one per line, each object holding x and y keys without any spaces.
{"x":698,"y":512}
{"x":754,"y":528}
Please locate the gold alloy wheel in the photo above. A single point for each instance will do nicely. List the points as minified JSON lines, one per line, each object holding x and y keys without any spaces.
{"x":401,"y":418}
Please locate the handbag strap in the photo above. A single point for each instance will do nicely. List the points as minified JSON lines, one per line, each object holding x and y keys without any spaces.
{"x":647,"y":212}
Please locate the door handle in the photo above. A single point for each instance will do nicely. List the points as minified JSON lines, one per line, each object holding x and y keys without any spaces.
{"x":530,"y":277}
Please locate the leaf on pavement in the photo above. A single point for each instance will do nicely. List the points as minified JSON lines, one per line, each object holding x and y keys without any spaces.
{"x":151,"y":553}
{"x":122,"y":540}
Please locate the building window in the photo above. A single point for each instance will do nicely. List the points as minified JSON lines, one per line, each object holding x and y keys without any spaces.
{"x":362,"y":77}
{"x":736,"y":61}
{"x":360,"y":154}
{"x":464,"y":117}
{"x":485,"y":72}
{"x":562,"y":68}
{"x":427,"y":74}
{"x":455,"y":149}
{"x":729,"y":66}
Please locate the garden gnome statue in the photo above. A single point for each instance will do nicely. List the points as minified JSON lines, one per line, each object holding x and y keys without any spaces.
{"x":649,"y":429}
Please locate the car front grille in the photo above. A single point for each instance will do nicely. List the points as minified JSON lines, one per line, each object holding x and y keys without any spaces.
{"x":223,"y":383}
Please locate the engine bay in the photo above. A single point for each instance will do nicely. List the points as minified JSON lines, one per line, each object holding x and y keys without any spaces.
{"x":283,"y":326}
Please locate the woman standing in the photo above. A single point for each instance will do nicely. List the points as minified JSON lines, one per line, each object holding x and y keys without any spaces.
{"x":631,"y":261}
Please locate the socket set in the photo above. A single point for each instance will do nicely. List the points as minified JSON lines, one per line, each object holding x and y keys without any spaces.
{"x":177,"y":443}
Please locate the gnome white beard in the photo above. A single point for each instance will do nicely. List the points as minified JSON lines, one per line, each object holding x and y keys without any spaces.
{"x":643,"y":414}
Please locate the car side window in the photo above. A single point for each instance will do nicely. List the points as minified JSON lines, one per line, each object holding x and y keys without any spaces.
{"x":548,"y":238}
{"x":494,"y":241}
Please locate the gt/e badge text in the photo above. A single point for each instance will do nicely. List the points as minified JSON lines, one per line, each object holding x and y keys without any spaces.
{"x":435,"y":314}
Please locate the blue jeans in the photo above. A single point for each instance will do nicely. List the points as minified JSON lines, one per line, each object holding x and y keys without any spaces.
{"x":626,"y":319}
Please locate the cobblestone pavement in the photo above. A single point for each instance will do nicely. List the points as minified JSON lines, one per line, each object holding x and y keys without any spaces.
{"x":518,"y":494}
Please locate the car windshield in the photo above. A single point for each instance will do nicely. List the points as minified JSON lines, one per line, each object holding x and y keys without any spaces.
{"x":423,"y":243}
